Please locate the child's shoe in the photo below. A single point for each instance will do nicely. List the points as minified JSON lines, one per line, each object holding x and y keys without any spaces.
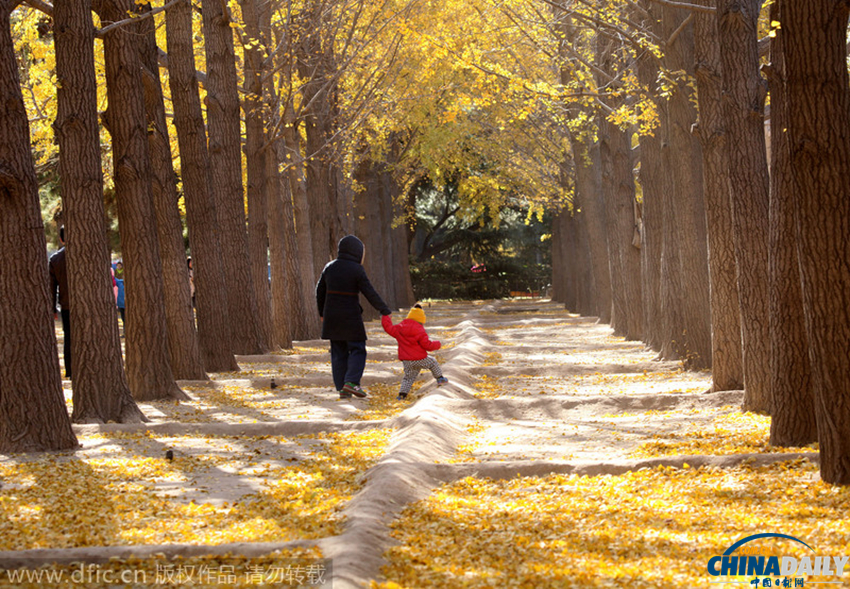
{"x":353,"y":389}
{"x":401,"y":397}
{"x":442,"y":380}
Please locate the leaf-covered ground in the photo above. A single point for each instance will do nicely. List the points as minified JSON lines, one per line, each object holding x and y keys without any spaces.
{"x":559,"y":455}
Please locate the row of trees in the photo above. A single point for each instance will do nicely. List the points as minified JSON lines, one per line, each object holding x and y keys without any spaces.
{"x":286,"y":96}
{"x":731,"y":256}
{"x":322,"y":117}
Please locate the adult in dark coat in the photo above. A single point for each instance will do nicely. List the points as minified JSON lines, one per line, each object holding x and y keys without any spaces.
{"x":338,"y":297}
{"x":59,"y":286}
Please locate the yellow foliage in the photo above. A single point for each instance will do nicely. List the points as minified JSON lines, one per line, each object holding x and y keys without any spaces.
{"x":115,"y":503}
{"x":648,"y":528}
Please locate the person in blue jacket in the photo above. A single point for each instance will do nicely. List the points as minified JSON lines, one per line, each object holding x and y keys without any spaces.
{"x":119,"y":281}
{"x":338,"y":298}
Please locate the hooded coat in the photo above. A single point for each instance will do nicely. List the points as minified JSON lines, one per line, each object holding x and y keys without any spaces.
{"x":413,"y":342}
{"x":338,"y":293}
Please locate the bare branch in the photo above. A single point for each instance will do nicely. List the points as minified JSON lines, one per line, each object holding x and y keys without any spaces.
{"x":41,"y":5}
{"x":679,"y":30}
{"x":132,"y":20}
{"x":686,"y":6}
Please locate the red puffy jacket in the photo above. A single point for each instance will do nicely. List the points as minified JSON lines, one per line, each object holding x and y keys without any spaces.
{"x":413,"y":342}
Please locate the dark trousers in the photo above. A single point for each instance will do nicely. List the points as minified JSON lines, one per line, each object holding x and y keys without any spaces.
{"x":66,"y":331}
{"x":348,"y":360}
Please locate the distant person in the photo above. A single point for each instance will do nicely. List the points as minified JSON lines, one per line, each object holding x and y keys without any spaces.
{"x":114,"y":283}
{"x":337,"y":295}
{"x":413,"y":348}
{"x":59,"y":287}
{"x":191,"y":279}
{"x":119,"y":298}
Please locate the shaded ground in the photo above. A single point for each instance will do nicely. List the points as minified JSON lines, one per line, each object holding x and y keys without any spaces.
{"x":268,"y":459}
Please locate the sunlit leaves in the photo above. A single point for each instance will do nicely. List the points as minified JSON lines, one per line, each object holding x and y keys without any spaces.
{"x":648,"y":528}
{"x":119,"y":500}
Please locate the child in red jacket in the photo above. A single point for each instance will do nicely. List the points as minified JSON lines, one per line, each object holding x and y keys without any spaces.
{"x":413,"y":348}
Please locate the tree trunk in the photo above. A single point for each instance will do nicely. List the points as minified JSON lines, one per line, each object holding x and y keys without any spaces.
{"x":588,"y":183}
{"x":290,"y":308}
{"x":316,"y":66}
{"x":793,"y":420}
{"x":400,"y":291}
{"x":624,"y":258}
{"x":818,"y":118}
{"x":303,"y":231}
{"x":33,"y":417}
{"x":147,"y":361}
{"x":559,"y":271}
{"x":727,"y":371}
{"x":199,"y":194}
{"x":585,"y":287}
{"x":744,"y":94}
{"x":369,"y":227}
{"x":305,"y":324}
{"x":670,"y":288}
{"x":400,"y":258}
{"x":654,"y":184}
{"x":568,"y":256}
{"x":224,"y":127}
{"x":183,"y":348}
{"x":693,"y":334}
{"x":101,"y":392}
{"x":401,"y":266}
{"x":255,"y":156}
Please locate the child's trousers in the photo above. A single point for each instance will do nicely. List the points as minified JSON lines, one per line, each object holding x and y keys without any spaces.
{"x":412,"y":368}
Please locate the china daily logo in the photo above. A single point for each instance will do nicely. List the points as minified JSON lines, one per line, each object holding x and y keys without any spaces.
{"x":775,"y":571}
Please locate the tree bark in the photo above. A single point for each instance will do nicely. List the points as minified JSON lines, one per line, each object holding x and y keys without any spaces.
{"x":294,"y":306}
{"x":248,"y":335}
{"x":183,"y":348}
{"x":199,"y":194}
{"x":568,"y":255}
{"x":793,"y":420}
{"x":290,"y":308}
{"x":744,"y":92}
{"x":624,"y":258}
{"x":687,"y":210}
{"x":33,"y":417}
{"x":589,"y":184}
{"x":369,"y":227}
{"x":101,"y":392}
{"x":727,"y":371}
{"x":401,"y":253}
{"x":654,"y":184}
{"x":316,"y":66}
{"x":294,"y":175}
{"x":147,"y":360}
{"x":818,"y":117}
{"x":255,"y":157}
{"x":559,"y":271}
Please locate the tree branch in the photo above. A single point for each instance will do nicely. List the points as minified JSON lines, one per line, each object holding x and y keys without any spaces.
{"x":41,"y":5}
{"x":686,"y":6}
{"x":679,"y":30}
{"x":133,"y":19}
